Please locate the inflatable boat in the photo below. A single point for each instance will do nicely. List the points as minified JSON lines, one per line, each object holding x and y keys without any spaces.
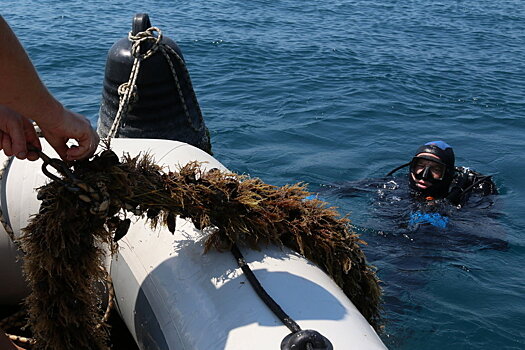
{"x":173,"y":296}
{"x":170,"y":295}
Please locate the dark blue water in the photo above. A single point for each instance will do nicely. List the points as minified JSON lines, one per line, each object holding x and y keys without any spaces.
{"x":335,"y":92}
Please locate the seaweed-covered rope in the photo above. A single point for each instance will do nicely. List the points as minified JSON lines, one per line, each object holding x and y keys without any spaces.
{"x":64,"y":241}
{"x":17,"y":320}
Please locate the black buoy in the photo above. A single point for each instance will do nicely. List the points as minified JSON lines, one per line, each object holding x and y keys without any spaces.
{"x":162,"y":109}
{"x":306,"y":340}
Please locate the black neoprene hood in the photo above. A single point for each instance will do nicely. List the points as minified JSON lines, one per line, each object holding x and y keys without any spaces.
{"x":440,"y":149}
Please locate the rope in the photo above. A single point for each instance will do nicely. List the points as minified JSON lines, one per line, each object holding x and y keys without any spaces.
{"x":265,"y":297}
{"x":128,"y":91}
{"x":16,"y":320}
{"x":303,"y":339}
{"x":21,"y":340}
{"x":176,"y":79}
{"x":188,"y":80}
{"x":111,"y":298}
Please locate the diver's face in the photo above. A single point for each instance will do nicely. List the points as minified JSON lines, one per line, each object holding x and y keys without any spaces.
{"x":425,"y":172}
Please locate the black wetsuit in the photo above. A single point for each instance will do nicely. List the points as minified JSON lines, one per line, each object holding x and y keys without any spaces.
{"x":466,"y":182}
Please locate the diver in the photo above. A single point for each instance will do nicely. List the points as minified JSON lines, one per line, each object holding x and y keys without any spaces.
{"x":434,"y":193}
{"x":434,"y":180}
{"x":434,"y":176}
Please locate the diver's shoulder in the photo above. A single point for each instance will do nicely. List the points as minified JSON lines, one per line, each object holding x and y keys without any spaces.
{"x":472,"y":180}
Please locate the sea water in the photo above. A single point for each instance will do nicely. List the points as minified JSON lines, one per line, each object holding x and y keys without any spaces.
{"x":336,"y":93}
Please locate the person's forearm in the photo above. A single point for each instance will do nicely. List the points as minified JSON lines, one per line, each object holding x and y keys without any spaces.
{"x":22,"y":91}
{"x":20,"y":86}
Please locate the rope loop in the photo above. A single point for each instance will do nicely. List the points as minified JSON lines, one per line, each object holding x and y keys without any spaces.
{"x":145,"y":36}
{"x":127,"y":89}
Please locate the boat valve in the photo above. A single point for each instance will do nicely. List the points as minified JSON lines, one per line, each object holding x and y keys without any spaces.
{"x":306,"y":340}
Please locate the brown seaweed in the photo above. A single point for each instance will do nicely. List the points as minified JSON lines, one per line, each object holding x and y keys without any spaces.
{"x":64,"y":241}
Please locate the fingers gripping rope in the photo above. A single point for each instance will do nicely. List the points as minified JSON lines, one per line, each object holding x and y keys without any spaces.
{"x":98,"y":198}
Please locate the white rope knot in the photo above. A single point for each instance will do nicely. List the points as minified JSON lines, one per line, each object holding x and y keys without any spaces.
{"x":127,"y":89}
{"x":145,"y":36}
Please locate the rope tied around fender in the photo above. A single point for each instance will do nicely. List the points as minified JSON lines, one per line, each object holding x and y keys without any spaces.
{"x":128,"y":91}
{"x":146,"y":36}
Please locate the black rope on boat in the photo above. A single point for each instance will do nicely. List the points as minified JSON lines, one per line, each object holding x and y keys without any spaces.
{"x":265,"y":297}
{"x":299,"y":339}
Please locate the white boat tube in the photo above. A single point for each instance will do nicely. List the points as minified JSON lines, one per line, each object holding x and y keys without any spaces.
{"x":172,"y":296}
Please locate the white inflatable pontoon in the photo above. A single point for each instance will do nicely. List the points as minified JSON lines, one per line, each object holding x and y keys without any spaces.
{"x":172,"y":296}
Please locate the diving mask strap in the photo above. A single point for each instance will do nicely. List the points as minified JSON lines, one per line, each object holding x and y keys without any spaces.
{"x":399,"y":167}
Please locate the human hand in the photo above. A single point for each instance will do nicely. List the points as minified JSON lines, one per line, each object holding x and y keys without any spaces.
{"x":70,"y":125}
{"x":16,"y":133}
{"x":22,"y":91}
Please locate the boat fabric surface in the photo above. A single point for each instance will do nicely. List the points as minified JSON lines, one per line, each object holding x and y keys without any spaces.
{"x":173,"y":296}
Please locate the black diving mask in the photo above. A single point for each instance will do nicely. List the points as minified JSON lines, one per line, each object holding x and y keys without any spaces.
{"x":427,"y":168}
